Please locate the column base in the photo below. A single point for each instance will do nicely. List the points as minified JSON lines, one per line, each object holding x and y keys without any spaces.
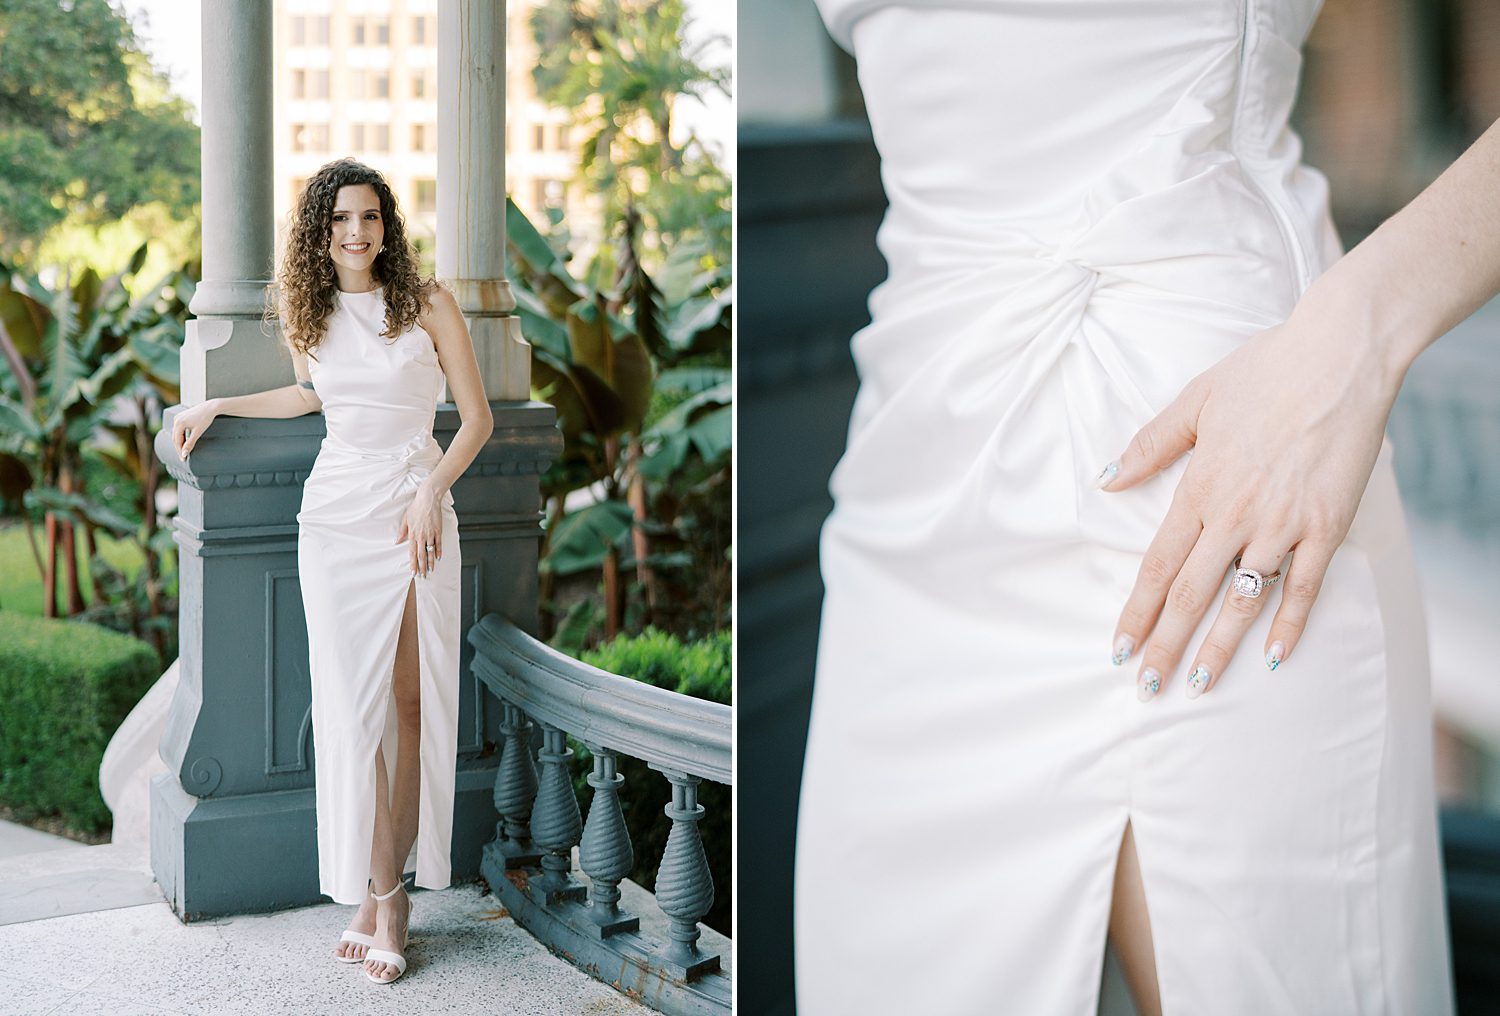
{"x":253,"y":853}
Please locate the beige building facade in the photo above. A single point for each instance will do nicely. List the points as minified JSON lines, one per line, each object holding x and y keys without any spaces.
{"x":359,"y":78}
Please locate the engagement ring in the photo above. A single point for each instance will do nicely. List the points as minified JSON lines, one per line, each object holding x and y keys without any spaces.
{"x":1249,"y":583}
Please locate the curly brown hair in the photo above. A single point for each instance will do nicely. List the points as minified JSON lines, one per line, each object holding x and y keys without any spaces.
{"x":303,"y":292}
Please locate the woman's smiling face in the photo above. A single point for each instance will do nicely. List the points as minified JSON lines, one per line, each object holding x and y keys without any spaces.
{"x":356,"y":232}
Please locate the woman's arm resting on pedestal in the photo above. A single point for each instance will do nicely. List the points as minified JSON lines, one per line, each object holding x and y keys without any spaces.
{"x":275,"y":403}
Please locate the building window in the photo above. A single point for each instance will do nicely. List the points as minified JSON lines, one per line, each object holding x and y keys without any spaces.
{"x":372,"y":84}
{"x":382,"y":137}
{"x":309,"y":137}
{"x":357,"y":137}
{"x":309,"y":84}
{"x":562,"y":137}
{"x":538,"y":137}
{"x":419,"y":30}
{"x":423,"y":137}
{"x":299,"y":30}
{"x":426,"y":195}
{"x":319,"y":30}
{"x":372,"y":31}
{"x":419,"y":83}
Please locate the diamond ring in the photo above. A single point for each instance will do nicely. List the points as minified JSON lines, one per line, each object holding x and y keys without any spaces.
{"x":432,"y":546}
{"x":1249,"y":583}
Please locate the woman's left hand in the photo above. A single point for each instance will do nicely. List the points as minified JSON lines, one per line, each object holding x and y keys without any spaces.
{"x":422,"y":528}
{"x":1286,"y":430}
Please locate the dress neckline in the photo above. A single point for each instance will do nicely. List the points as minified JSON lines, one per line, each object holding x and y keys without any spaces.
{"x":363,"y":292}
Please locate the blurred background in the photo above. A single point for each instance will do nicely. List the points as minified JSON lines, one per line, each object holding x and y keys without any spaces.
{"x":1392,"y":92}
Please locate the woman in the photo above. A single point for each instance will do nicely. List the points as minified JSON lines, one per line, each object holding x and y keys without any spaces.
{"x":371,"y":344}
{"x":1100,"y":236}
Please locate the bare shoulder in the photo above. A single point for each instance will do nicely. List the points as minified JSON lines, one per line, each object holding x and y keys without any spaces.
{"x":437,"y":301}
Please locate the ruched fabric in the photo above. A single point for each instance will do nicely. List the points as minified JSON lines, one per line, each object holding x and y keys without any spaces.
{"x":379,"y":401}
{"x":1090,"y":204}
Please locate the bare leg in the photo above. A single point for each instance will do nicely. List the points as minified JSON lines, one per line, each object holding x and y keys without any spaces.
{"x":396,"y":823}
{"x":408,"y":690}
{"x":1130,"y":929}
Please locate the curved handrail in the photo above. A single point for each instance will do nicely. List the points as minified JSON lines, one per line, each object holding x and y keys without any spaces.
{"x":653,"y":724}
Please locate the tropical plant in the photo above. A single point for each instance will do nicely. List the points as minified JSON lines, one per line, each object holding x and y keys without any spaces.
{"x":84,"y":360}
{"x":643,"y":401}
{"x":619,"y":67}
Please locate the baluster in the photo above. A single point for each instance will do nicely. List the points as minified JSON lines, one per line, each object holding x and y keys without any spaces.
{"x":684,"y":886}
{"x":515,"y":789}
{"x":605,"y":853}
{"x":555,"y":822}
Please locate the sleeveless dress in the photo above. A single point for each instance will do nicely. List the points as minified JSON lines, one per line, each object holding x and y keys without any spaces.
{"x":1090,"y":204}
{"x":379,"y":401}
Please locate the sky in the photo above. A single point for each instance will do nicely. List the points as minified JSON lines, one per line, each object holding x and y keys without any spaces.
{"x":169,"y":31}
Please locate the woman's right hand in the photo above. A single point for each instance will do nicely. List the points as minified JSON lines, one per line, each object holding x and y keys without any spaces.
{"x":188,"y":426}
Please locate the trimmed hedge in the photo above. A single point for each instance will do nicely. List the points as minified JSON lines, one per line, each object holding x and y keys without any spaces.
{"x":65,"y":687}
{"x":701,"y":669}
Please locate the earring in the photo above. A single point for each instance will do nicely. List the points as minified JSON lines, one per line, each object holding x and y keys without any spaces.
{"x":381,"y":250}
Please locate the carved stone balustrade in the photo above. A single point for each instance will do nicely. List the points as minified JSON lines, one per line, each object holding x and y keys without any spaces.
{"x":529,"y":864}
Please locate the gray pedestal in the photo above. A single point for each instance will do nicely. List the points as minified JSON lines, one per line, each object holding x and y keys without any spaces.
{"x":232,"y":823}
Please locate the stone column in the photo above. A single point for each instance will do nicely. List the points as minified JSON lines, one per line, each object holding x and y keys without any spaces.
{"x":471,"y":189}
{"x":225,"y":743}
{"x":225,"y":351}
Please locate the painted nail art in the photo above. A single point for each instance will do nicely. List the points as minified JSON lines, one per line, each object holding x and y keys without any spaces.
{"x":1124,"y":646}
{"x":1198,"y":681}
{"x":1274,"y":654}
{"x":1108,"y":473}
{"x":1148,"y":684}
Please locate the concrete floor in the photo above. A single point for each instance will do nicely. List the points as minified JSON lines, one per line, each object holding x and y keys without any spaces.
{"x":85,"y":930}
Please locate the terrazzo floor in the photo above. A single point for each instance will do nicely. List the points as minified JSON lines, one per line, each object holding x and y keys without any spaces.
{"x":77,"y":938}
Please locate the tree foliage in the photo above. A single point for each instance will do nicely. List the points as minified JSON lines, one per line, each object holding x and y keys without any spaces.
{"x":620,"y":66}
{"x":88,"y":129}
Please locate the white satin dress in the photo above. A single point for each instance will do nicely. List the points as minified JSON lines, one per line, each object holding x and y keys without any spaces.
{"x":1090,"y":204}
{"x":379,"y":401}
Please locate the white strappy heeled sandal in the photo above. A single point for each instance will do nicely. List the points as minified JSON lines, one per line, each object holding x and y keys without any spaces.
{"x":396,"y":959}
{"x":359,"y":938}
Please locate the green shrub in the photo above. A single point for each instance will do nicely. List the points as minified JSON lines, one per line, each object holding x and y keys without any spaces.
{"x":65,"y":687}
{"x":701,"y":669}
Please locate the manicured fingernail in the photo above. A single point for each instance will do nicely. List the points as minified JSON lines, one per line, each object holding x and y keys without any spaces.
{"x":1148,"y":684}
{"x":1124,"y":646}
{"x":1108,"y":473}
{"x":1273,"y":655}
{"x":1198,"y":681}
